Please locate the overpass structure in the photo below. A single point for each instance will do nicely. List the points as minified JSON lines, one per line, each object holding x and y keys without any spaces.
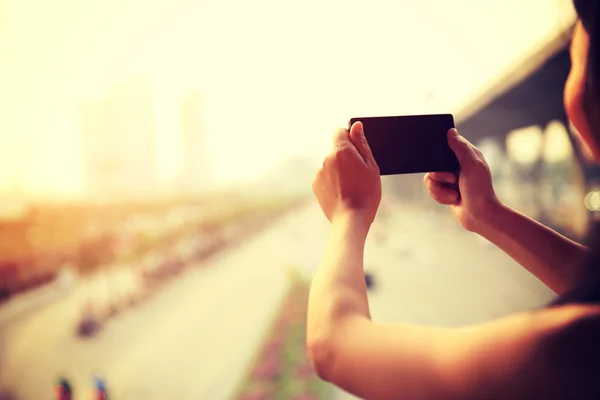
{"x":538,"y":164}
{"x":531,"y":94}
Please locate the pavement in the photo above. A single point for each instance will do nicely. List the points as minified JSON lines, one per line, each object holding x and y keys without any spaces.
{"x":196,"y":337}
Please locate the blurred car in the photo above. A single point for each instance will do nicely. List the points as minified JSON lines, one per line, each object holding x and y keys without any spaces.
{"x":185,"y":249}
{"x":369,"y":281}
{"x":66,"y":277}
{"x":89,"y":324}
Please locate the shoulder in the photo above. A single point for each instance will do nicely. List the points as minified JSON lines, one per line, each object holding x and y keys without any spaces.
{"x":549,"y":353}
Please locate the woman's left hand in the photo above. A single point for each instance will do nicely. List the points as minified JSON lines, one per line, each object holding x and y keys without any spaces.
{"x":349,"y":183}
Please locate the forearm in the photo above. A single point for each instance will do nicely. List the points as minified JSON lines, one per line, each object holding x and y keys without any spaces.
{"x":551,"y":257}
{"x":338,"y":288}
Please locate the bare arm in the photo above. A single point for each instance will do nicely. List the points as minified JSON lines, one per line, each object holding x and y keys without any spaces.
{"x":338,"y":288}
{"x":522,"y":356}
{"x":348,"y":188}
{"x":553,"y":258}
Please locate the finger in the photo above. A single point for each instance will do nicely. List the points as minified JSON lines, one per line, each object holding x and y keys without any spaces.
{"x":447,"y":197}
{"x":462,"y":148}
{"x":343,"y":146}
{"x":442,"y":177}
{"x":341,"y":137}
{"x":358,"y":139}
{"x":442,"y":194}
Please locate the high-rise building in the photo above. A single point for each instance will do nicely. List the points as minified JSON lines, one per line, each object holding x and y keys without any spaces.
{"x":119,"y":144}
{"x":196,"y":173}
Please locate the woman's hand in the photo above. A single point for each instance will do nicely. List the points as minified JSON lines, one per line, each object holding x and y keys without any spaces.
{"x":349,"y":183}
{"x":473,"y":199}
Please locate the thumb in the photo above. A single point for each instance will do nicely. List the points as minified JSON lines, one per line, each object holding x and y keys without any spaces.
{"x":461,"y":147}
{"x":358,"y":139}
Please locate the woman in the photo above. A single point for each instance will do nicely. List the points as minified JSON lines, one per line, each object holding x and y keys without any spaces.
{"x":551,"y":353}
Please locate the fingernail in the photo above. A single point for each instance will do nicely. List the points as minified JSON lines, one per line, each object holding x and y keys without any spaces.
{"x":361,"y":128}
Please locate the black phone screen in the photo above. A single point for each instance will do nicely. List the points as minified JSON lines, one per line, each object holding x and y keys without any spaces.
{"x":410,"y":144}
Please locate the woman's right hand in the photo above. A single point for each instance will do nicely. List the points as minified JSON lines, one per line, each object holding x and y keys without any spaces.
{"x":472,"y":198}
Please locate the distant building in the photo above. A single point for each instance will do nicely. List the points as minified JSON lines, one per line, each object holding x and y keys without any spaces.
{"x":119,"y":144}
{"x":196,"y":173}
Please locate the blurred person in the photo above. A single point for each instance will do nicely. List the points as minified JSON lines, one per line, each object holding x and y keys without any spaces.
{"x":63,"y":390}
{"x":100,"y":392}
{"x":548,"y":353}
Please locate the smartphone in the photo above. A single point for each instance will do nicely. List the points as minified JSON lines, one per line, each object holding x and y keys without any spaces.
{"x":411,"y":143}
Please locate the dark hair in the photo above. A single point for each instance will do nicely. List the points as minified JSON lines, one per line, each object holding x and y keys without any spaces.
{"x":588,"y":12}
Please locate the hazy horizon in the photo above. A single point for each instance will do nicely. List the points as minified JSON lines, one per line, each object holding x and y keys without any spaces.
{"x":276,"y":79}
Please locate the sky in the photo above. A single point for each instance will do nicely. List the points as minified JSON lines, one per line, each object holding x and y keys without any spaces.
{"x":277,"y":77}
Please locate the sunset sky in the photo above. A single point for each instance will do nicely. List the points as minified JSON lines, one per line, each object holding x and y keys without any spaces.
{"x":277,"y":76}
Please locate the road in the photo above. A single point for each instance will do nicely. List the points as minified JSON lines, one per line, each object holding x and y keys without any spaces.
{"x":195,"y":338}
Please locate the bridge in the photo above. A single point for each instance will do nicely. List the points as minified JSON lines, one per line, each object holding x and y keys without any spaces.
{"x":556,"y":182}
